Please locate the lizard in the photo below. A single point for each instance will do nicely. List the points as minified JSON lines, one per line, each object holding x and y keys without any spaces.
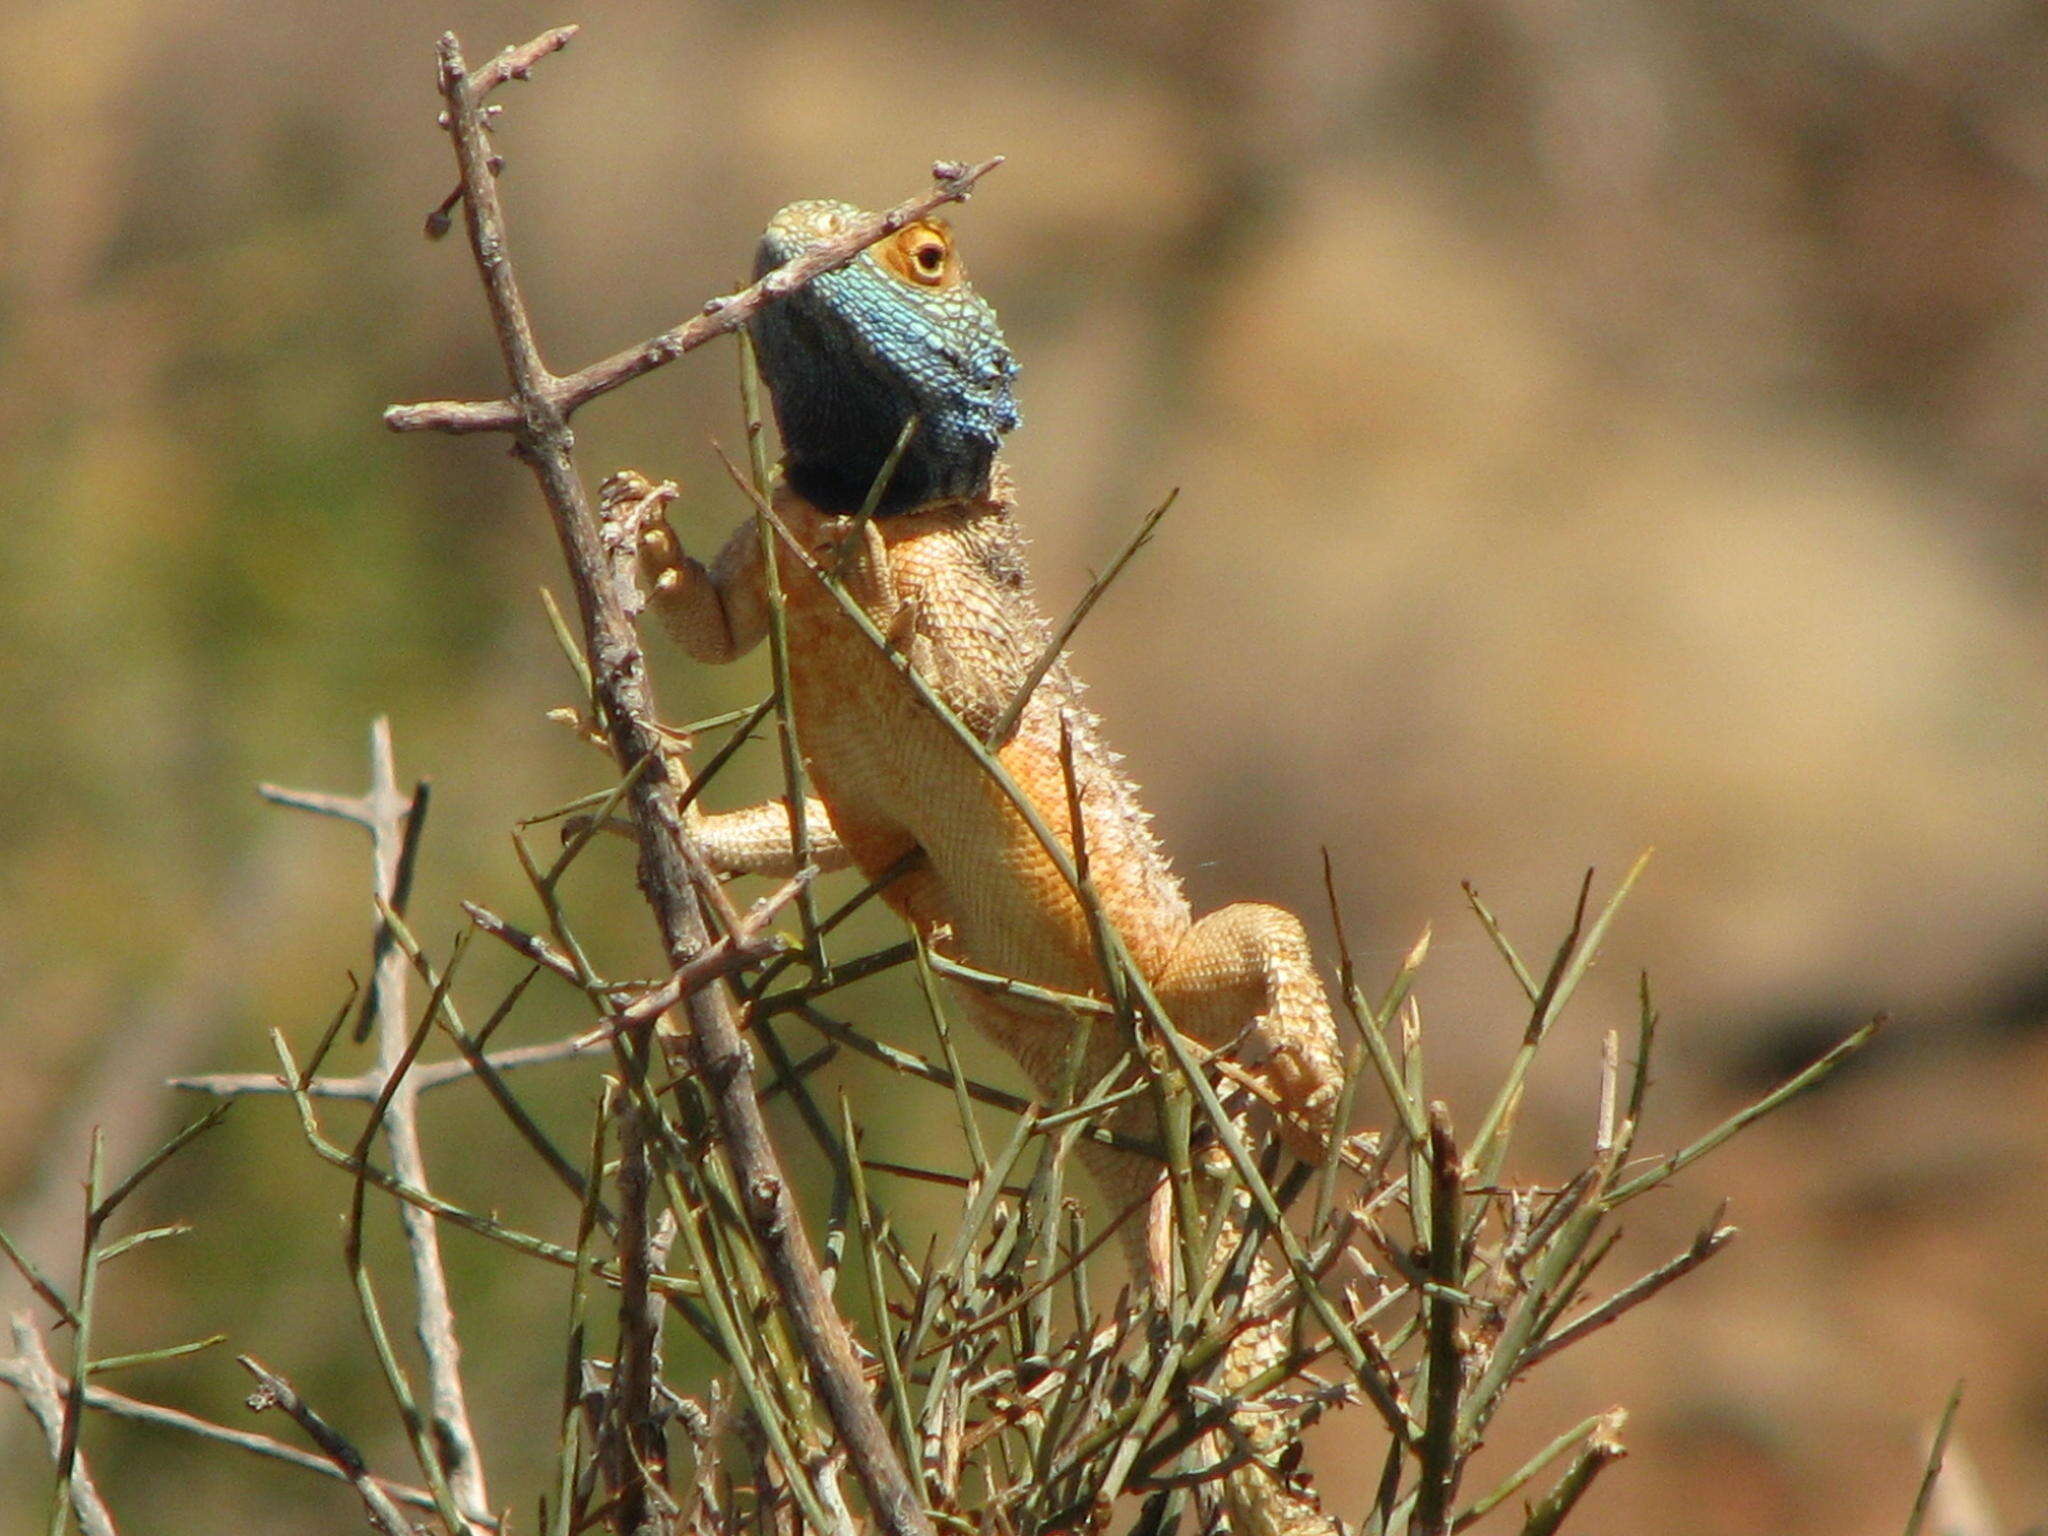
{"x":892,"y":375}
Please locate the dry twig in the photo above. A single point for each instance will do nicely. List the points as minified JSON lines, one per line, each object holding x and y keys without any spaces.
{"x":20,"y":1369}
{"x":672,"y":871}
{"x":389,"y":817}
{"x":564,"y":395}
{"x":45,"y":1395}
{"x":273,"y":1391}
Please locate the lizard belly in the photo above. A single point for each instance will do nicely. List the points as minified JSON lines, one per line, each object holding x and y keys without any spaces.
{"x":892,"y":775}
{"x":895,"y":776}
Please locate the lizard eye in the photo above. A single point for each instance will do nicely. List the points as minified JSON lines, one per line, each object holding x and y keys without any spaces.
{"x":923,"y":254}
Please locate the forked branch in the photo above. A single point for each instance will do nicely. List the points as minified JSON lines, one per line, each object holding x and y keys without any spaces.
{"x":672,"y":870}
{"x":952,"y":183}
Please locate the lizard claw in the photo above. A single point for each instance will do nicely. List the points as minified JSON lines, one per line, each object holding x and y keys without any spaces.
{"x":634,"y":513}
{"x":629,"y":485}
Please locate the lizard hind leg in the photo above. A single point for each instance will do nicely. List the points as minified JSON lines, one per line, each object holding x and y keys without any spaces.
{"x":1242,"y":977}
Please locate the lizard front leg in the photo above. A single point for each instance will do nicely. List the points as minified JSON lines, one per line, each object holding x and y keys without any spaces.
{"x":717,"y":614}
{"x":1243,"y":977}
{"x":761,"y":839}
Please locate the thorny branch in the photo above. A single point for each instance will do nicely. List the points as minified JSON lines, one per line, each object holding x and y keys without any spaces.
{"x":273,"y":1391}
{"x":389,"y":817}
{"x":45,"y":1394}
{"x":28,"y":1371}
{"x":672,"y":872}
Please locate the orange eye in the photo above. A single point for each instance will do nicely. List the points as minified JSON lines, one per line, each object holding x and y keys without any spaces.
{"x":923,"y":254}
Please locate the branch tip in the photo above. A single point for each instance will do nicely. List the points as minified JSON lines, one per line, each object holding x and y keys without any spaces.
{"x":717,"y":316}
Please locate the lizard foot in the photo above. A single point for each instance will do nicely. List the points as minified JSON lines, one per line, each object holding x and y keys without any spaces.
{"x":634,"y":513}
{"x":1242,"y":977}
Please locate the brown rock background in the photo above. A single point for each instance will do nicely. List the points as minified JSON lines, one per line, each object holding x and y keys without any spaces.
{"x":1600,"y":423}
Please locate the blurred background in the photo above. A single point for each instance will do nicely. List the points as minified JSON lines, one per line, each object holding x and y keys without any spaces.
{"x":1599,"y":424}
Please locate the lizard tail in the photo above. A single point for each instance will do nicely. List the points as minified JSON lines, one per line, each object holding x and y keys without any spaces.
{"x":1264,"y":1495}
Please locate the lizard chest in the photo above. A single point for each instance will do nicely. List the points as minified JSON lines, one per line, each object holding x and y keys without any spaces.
{"x":893,"y":775}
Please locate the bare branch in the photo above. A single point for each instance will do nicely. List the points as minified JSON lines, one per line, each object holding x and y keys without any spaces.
{"x":1602,"y":1446}
{"x":388,"y":814}
{"x":671,"y":870}
{"x":19,"y":1370}
{"x":45,"y":1394}
{"x":1035,"y":674}
{"x":637,"y":1451}
{"x":953,"y":183}
{"x":515,"y":63}
{"x":366,"y":1086}
{"x":37,"y":1281}
{"x":273,"y":1391}
{"x":1438,"y":1453}
{"x":1711,"y":1240}
{"x":1936,"y":1453}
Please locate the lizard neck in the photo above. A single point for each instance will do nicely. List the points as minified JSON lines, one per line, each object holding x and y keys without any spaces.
{"x":820,"y":530}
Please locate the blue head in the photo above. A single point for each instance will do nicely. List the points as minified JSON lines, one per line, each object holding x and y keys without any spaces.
{"x":855,"y":354}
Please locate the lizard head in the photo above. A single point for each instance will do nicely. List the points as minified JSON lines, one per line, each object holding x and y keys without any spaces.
{"x":899,"y":332}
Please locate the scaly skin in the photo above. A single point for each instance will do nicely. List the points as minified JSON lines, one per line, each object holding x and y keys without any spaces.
{"x":941,"y":574}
